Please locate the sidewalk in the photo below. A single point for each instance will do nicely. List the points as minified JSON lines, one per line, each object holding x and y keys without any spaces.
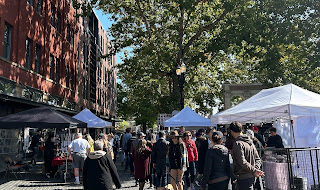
{"x":33,"y":180}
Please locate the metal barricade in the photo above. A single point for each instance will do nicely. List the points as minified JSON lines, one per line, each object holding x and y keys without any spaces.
{"x":291,"y":168}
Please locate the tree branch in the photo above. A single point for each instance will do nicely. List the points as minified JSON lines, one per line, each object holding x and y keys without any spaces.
{"x":140,"y":11}
{"x":201,"y":30}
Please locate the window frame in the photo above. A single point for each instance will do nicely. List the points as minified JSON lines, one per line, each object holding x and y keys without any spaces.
{"x":39,"y":7}
{"x":7,"y":44}
{"x":53,"y":15}
{"x":51,"y":65}
{"x":57,"y":69}
{"x":28,"y":53}
{"x":37,"y":58}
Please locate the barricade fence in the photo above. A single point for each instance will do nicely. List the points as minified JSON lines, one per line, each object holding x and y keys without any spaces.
{"x":291,"y":168}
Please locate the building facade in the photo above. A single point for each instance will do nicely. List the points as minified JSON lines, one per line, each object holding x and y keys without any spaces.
{"x":50,"y":57}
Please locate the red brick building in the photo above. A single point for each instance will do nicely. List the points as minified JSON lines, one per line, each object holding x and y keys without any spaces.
{"x":42,"y":60}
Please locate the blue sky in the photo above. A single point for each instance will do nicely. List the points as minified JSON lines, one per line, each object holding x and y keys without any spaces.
{"x":106,"y":23}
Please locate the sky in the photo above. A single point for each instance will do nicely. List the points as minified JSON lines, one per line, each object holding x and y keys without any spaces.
{"x":106,"y":23}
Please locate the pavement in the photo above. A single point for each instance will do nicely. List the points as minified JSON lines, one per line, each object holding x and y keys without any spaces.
{"x":34,"y":180}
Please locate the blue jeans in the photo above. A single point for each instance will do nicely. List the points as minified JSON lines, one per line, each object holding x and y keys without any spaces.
{"x":161,"y":177}
{"x":191,"y":171}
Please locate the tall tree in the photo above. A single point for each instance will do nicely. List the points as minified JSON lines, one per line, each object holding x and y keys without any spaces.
{"x":273,"y":42}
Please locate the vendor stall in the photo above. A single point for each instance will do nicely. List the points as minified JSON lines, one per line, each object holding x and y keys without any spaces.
{"x":13,"y":126}
{"x":295,"y":112}
{"x":188,"y":119}
{"x":95,"y":124}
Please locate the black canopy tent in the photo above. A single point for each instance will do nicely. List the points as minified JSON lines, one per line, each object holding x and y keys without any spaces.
{"x":41,"y":117}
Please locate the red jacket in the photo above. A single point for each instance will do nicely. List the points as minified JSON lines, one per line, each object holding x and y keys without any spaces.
{"x":192,"y":150}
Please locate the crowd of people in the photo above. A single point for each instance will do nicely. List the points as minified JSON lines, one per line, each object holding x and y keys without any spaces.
{"x":191,"y":158}
{"x":178,"y":158}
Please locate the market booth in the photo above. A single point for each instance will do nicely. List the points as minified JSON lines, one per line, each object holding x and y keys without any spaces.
{"x":14,"y":131}
{"x":95,"y":124}
{"x":189,"y":119}
{"x":295,"y":112}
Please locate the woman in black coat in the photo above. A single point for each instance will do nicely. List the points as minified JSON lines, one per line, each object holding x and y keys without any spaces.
{"x":217,"y":172}
{"x":99,"y":171}
{"x":48,"y":156}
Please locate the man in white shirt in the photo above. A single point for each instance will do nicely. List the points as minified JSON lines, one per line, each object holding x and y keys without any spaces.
{"x":80,"y":148}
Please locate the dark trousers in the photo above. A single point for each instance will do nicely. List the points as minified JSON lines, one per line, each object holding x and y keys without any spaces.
{"x":245,"y":184}
{"x":190,"y":173}
{"x":223,"y":185}
{"x":115,"y":152}
{"x":131,"y":163}
{"x":161,"y":177}
{"x":127,"y":159}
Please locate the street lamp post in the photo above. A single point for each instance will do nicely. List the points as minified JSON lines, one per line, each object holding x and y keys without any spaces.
{"x":181,"y":78}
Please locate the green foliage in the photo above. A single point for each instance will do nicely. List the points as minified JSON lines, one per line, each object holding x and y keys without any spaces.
{"x":240,"y":41}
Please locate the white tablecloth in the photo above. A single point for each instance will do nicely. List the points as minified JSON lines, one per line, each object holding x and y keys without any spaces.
{"x":276,"y":175}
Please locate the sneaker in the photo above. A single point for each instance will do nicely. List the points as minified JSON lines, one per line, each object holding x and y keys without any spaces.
{"x":77,"y":182}
{"x":197,"y":183}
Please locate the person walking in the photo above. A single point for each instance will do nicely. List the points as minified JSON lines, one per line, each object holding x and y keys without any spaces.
{"x":116,"y":145}
{"x":141,"y":161}
{"x":203,"y":151}
{"x":129,"y":152}
{"x":246,"y":160}
{"x":217,"y":173}
{"x":124,"y":147}
{"x":80,"y":148}
{"x":178,"y":160}
{"x":192,"y":158}
{"x":159,"y":156}
{"x":99,"y":170}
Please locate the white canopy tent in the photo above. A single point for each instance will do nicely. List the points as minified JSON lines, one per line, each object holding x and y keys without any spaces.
{"x":187,"y":118}
{"x":281,"y":105}
{"x":93,"y":121}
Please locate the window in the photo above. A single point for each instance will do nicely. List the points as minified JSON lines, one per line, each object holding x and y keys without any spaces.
{"x":59,"y":22}
{"x":84,"y":89}
{"x":57,"y":70}
{"x":84,"y":55}
{"x":28,"y":53}
{"x":53,"y":14}
{"x":51,"y":66}
{"x":67,"y":76}
{"x":39,"y":6}
{"x":68,"y":32}
{"x":30,"y":2}
{"x":71,"y":79}
{"x":72,"y":37}
{"x":7,"y":40}
{"x":37,"y":58}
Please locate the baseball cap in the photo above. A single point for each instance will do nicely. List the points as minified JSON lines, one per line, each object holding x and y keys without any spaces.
{"x":217,"y":133}
{"x":141,"y":134}
{"x":101,"y":135}
{"x":255,"y":128}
